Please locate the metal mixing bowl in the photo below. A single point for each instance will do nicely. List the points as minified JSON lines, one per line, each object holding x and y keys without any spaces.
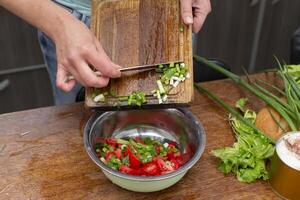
{"x":176,"y":125}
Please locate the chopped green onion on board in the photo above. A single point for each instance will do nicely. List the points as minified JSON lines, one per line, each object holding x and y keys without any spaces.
{"x":171,"y":75}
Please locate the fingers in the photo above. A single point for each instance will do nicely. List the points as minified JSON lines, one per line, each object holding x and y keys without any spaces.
{"x":198,"y":21}
{"x":88,"y":76}
{"x":80,"y":70}
{"x":201,"y":9}
{"x":102,"y":62}
{"x":187,"y":11}
{"x":61,"y":77}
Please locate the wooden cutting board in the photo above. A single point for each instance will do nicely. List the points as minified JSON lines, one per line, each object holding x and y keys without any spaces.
{"x":140,"y":32}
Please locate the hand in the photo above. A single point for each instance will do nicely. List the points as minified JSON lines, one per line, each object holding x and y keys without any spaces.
{"x":195,"y":12}
{"x":76,"y":49}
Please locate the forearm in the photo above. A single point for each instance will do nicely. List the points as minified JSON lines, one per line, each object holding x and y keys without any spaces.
{"x":43,"y":14}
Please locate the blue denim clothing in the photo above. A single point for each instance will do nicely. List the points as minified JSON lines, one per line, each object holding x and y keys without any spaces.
{"x":49,"y":52}
{"x":83,"y":6}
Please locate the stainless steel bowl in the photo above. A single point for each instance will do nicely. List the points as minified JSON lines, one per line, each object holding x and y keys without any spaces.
{"x":176,"y":125}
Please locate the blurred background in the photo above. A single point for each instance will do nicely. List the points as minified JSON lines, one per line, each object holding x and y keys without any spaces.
{"x":238,"y":33}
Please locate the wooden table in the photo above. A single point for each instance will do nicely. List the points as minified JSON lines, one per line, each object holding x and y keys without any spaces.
{"x":42,"y":157}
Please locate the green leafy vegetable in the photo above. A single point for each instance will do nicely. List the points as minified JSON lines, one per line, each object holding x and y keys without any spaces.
{"x":294,"y":72}
{"x":247,"y":157}
{"x":240,"y":104}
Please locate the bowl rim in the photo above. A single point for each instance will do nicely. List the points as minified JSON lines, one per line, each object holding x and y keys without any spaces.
{"x":93,"y":120}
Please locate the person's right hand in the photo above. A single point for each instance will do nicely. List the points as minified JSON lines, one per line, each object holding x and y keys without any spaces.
{"x":76,"y":49}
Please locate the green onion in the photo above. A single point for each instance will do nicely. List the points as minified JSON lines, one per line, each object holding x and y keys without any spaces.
{"x":121,"y":141}
{"x":160,"y":87}
{"x":99,"y":98}
{"x":232,"y":111}
{"x":159,"y":97}
{"x":290,"y":117}
{"x":125,"y":98}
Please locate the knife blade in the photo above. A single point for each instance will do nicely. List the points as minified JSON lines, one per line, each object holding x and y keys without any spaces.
{"x":133,"y":68}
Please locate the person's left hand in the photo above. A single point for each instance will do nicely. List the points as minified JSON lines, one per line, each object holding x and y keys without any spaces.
{"x":194,"y":12}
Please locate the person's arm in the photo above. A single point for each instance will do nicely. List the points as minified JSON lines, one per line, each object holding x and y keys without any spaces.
{"x":194,"y":12}
{"x":76,"y":46}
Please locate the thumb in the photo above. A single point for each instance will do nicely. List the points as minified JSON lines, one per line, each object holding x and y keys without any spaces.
{"x":187,"y":11}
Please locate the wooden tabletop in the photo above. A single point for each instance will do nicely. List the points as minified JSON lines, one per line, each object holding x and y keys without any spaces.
{"x":42,"y":157}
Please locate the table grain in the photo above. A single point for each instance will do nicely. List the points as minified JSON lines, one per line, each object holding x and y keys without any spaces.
{"x":42,"y":156}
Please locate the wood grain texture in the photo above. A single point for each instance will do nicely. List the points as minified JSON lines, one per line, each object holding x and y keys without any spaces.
{"x":49,"y":162}
{"x":139,"y":32}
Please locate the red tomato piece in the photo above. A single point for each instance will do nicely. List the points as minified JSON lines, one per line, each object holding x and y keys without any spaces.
{"x":160,"y":163}
{"x":175,"y":164}
{"x":118,"y":153}
{"x":137,"y":172}
{"x":172,"y":144}
{"x":170,"y":155}
{"x":125,"y":169}
{"x":151,"y":169}
{"x":111,"y":141}
{"x":179,"y":159}
{"x":134,"y":161}
{"x":108,"y":155}
{"x":157,"y":149}
{"x":127,"y":151}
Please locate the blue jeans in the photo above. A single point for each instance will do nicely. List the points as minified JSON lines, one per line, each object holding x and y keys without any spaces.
{"x":49,"y":52}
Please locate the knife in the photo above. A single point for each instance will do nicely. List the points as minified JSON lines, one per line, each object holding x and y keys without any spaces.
{"x":134,"y":68}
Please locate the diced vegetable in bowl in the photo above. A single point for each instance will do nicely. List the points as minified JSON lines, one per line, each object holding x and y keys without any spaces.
{"x":144,"y":150}
{"x":139,"y":156}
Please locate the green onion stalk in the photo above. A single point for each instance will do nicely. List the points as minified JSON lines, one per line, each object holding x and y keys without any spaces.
{"x":288,"y":110}
{"x":232,"y":111}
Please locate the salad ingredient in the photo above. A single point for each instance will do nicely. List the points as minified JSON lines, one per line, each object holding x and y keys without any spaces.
{"x":288,"y":110}
{"x":247,"y":158}
{"x":99,"y":98}
{"x":248,"y":155}
{"x":170,"y":77}
{"x":139,"y":156}
{"x":137,"y":98}
{"x":294,"y":72}
{"x":232,"y":111}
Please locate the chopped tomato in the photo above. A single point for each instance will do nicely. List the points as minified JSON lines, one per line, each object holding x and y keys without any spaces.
{"x":151,"y":169}
{"x":125,"y":169}
{"x":179,"y":159}
{"x":157,"y":149}
{"x":108,"y":155}
{"x":127,"y":151}
{"x":170,"y":155}
{"x":112,"y":142}
{"x":134,"y":161}
{"x":139,"y":159}
{"x":172,"y":144}
{"x":118,"y":153}
{"x":160,"y":163}
{"x":174,"y":164}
